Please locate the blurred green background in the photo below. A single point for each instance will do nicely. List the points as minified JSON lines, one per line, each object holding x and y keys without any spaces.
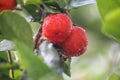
{"x":97,"y":62}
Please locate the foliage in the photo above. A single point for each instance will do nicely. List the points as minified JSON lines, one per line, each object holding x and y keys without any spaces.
{"x":111,"y":17}
{"x":110,"y":14}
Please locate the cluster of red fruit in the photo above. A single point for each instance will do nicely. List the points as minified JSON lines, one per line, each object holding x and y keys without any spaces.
{"x":58,"y":29}
{"x":7,"y":4}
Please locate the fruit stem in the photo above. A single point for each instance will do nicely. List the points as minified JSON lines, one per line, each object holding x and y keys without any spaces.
{"x":37,"y":37}
{"x":10,"y":61}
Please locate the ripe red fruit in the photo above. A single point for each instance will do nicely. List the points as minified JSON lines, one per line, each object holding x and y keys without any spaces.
{"x":56,"y":27}
{"x":76,"y":43}
{"x":7,"y":4}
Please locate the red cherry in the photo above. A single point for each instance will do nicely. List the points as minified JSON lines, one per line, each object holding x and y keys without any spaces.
{"x":76,"y":43}
{"x":7,"y":4}
{"x":56,"y":27}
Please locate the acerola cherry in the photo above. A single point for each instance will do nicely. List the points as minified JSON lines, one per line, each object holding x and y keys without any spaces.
{"x":56,"y":27}
{"x":76,"y":43}
{"x":7,"y":4}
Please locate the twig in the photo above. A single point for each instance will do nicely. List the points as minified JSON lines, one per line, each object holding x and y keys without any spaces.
{"x":10,"y":61}
{"x":37,"y":37}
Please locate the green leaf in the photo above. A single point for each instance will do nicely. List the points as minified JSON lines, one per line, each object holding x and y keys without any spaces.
{"x":68,"y":2}
{"x":51,"y":57}
{"x":56,"y":3}
{"x":13,"y":26}
{"x":106,"y":6}
{"x":61,"y":3}
{"x":20,"y":2}
{"x":110,"y":15}
{"x":18,"y":30}
{"x":114,"y":77}
{"x":66,"y":67}
{"x":50,"y":9}
{"x":3,"y":57}
{"x":4,"y":69}
{"x":33,"y":1}
{"x":33,"y":11}
{"x":1,"y":36}
{"x":4,"y":77}
{"x":7,"y":66}
{"x":111,"y":24}
{"x":78,"y":3}
{"x":34,"y":66}
{"x":49,"y":1}
{"x":51,"y":76}
{"x":18,"y":74}
{"x":35,"y":27}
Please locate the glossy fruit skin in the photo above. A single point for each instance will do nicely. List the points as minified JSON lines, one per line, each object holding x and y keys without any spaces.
{"x":56,"y":27}
{"x":76,"y":43}
{"x":7,"y":4}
